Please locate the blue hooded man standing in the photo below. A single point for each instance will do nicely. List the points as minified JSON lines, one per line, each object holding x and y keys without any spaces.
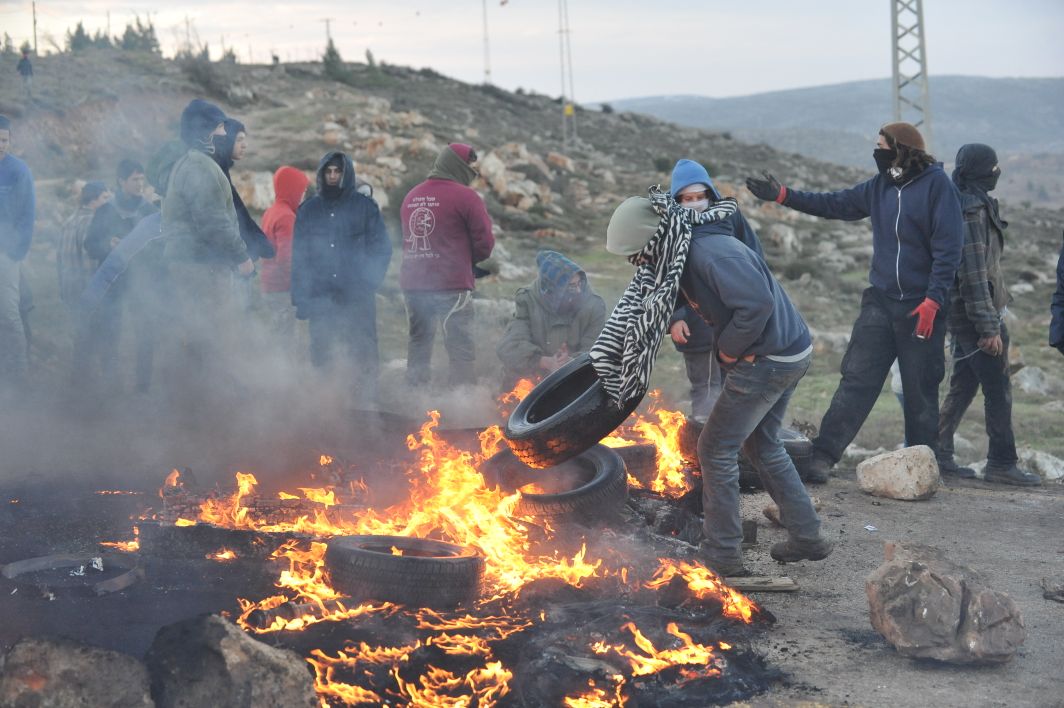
{"x":917,"y":232}
{"x":17,"y":213}
{"x":340,"y":254}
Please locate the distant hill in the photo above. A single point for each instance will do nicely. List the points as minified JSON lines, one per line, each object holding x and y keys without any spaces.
{"x":1022,"y":118}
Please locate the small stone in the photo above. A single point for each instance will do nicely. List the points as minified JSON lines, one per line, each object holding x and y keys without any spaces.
{"x":908,"y":474}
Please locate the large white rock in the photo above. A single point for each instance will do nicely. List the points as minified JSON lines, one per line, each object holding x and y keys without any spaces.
{"x":909,"y":474}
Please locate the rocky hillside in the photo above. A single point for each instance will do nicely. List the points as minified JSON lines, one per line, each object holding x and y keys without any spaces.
{"x":541,"y":193}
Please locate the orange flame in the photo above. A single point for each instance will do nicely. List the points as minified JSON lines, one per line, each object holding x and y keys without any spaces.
{"x":662,"y":429}
{"x":704,"y":583}
{"x":653,"y":660}
{"x":598,"y":697}
{"x":222,"y":554}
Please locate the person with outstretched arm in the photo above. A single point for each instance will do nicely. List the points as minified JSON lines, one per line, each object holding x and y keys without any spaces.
{"x":917,"y":233}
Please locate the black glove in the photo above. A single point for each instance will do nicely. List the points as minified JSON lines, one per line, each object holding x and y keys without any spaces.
{"x":768,"y":189}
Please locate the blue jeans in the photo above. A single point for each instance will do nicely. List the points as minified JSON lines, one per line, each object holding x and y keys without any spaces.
{"x":749,"y":414}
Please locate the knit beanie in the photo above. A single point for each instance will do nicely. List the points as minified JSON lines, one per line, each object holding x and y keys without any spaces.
{"x":632,"y":225}
{"x":555,"y":271}
{"x":904,"y":134}
{"x":686,"y":173}
{"x":198,"y":121}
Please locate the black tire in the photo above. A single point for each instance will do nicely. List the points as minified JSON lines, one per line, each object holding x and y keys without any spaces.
{"x":600,"y":494}
{"x":798,"y":447}
{"x":428,"y":574}
{"x":564,"y":415}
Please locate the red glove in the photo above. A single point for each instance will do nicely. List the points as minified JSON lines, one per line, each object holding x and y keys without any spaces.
{"x":925,"y":317}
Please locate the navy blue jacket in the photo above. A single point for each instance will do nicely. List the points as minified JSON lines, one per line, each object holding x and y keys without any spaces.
{"x":732,"y":288}
{"x":340,"y":247}
{"x":1056,"y":325}
{"x":701,"y":339}
{"x":17,"y":207}
{"x":917,"y":230}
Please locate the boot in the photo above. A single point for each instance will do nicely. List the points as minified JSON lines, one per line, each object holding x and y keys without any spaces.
{"x":792,"y":551}
{"x":949,"y":468}
{"x":1012,"y":475}
{"x":816,"y":469}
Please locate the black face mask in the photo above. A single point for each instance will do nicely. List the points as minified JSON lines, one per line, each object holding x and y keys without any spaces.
{"x":884,"y":159}
{"x":986,"y":183}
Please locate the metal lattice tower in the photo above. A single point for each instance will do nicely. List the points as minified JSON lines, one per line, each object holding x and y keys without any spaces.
{"x":912,"y":93}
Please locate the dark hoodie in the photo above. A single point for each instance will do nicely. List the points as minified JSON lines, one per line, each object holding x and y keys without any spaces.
{"x":340,"y":246}
{"x":254,"y":238}
{"x":446,"y":227}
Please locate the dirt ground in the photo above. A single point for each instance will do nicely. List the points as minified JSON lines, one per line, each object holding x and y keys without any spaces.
{"x":823,"y":639}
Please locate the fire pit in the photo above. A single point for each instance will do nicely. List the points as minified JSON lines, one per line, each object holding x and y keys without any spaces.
{"x":548,"y":615}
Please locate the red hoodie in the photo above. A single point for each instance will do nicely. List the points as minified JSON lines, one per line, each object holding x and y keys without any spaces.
{"x":289,"y":184}
{"x":446,"y":229}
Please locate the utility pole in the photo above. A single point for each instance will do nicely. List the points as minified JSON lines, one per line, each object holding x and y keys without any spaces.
{"x":34,"y":27}
{"x":487,"y":49}
{"x":912,"y":92}
{"x":328,"y":28}
{"x":568,"y":100}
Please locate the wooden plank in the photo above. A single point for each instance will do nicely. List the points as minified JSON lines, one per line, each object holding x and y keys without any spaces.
{"x":762,"y":583}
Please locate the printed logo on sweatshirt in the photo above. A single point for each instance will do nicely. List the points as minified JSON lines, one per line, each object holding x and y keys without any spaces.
{"x":421,"y":224}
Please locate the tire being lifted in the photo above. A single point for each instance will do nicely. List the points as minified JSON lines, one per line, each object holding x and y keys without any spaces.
{"x":564,"y":415}
{"x":427,"y":574}
{"x":593,"y":486}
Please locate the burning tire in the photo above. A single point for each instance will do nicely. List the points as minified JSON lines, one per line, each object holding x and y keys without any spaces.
{"x":590,"y":487}
{"x":410,"y":571}
{"x":564,"y":415}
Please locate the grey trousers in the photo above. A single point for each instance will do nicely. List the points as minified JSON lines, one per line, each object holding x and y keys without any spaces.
{"x":452,"y":310}
{"x":13,"y":361}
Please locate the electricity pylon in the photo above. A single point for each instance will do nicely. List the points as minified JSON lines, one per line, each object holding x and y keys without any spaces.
{"x":912,"y":93}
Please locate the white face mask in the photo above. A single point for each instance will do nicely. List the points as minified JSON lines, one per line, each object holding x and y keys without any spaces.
{"x":698,"y":206}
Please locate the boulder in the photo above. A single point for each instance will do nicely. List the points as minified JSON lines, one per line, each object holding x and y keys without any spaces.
{"x":562,"y":162}
{"x":930,"y":608}
{"x":255,"y":188}
{"x":61,"y":673}
{"x":333,"y":134}
{"x":1032,"y":379}
{"x":209,"y":661}
{"x":783,"y":237}
{"x":909,"y":474}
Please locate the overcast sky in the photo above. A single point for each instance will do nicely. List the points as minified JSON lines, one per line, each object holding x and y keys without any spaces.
{"x":620,"y":48}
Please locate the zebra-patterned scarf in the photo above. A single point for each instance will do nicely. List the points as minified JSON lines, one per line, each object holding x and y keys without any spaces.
{"x":624,"y":353}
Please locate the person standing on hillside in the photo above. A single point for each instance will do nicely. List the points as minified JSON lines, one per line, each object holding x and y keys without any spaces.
{"x":1056,"y":308}
{"x":115,"y":219}
{"x":917,"y":232}
{"x":555,"y":318}
{"x":340,"y":255}
{"x":761,"y":340}
{"x":74,"y":265}
{"x":446,"y":229}
{"x":202,"y":249}
{"x":17,"y":214}
{"x":230,"y":149}
{"x":692,"y":188}
{"x":980,"y":339}
{"x":25,"y":70}
{"x":289,"y":186}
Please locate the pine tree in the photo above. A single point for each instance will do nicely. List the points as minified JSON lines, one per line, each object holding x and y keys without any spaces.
{"x":79,"y":39}
{"x":333,"y":63}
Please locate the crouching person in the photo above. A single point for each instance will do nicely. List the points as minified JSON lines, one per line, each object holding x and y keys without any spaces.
{"x":765,"y":347}
{"x":556,"y":317}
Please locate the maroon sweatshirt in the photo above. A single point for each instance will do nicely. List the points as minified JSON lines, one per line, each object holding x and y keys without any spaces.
{"x":446,"y":229}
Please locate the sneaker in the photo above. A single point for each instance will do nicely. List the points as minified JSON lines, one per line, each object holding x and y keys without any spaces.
{"x":949,"y":468}
{"x":1012,"y":475}
{"x":792,"y":551}
{"x":816,"y":469}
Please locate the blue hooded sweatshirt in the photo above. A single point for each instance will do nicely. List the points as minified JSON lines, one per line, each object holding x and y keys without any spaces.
{"x":917,"y":230}
{"x":17,"y":207}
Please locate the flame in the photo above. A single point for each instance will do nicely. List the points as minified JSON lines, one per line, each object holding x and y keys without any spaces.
{"x":117,"y":492}
{"x":125,"y":546}
{"x":286,"y":495}
{"x":184,"y":522}
{"x":662,"y":429}
{"x":653,"y":660}
{"x":171,"y":482}
{"x":325,"y":460}
{"x":509,"y":400}
{"x":222,"y":554}
{"x":598,"y":697}
{"x":325,"y":497}
{"x":704,"y":583}
{"x":397,"y":551}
